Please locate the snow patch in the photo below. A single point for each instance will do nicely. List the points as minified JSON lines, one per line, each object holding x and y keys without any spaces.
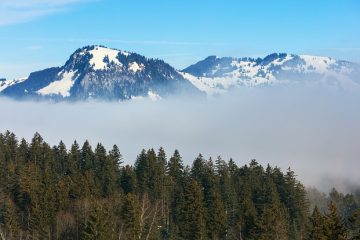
{"x":100,"y":53}
{"x":153,"y":95}
{"x":248,"y":73}
{"x":319,"y":64}
{"x":281,"y":61}
{"x":135,"y":67}
{"x":202,"y":83}
{"x":137,"y":97}
{"x":7,"y":83}
{"x":61,"y":87}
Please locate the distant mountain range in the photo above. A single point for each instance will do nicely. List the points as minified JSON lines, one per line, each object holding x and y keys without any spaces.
{"x":97,"y":72}
{"x":215,"y":75}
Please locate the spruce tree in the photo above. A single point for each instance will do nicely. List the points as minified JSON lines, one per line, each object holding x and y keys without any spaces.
{"x":192,"y":216}
{"x":317,"y":229}
{"x":176,"y":176}
{"x":87,"y":157}
{"x":128,"y":180}
{"x":355,"y":225}
{"x":142,"y":172}
{"x":336,"y":230}
{"x":131,"y":217}
{"x":100,"y":224}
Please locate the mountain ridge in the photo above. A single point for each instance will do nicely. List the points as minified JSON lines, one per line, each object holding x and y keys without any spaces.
{"x":214,"y":75}
{"x":98,"y":72}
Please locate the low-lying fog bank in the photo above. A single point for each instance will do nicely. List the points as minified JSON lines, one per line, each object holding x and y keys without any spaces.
{"x":315,"y":132}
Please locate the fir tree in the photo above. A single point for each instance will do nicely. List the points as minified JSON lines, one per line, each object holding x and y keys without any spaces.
{"x":192,"y":217}
{"x":100,"y":224}
{"x":52,"y":193}
{"x":317,"y":226}
{"x":131,"y":217}
{"x":336,"y":230}
{"x":128,"y":180}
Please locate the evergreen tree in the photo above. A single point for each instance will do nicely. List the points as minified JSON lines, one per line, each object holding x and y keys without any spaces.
{"x":9,"y":219}
{"x":317,"y":226}
{"x":176,"y":175}
{"x":192,"y":217}
{"x":36,"y":149}
{"x":226,"y":189}
{"x":271,"y":224}
{"x":128,"y":180}
{"x":52,"y":193}
{"x":61,"y":163}
{"x":176,"y":168}
{"x":336,"y":230}
{"x":100,"y":225}
{"x":87,"y":158}
{"x":131,"y":217}
{"x":142,"y":172}
{"x":74,"y":175}
{"x":355,"y":225}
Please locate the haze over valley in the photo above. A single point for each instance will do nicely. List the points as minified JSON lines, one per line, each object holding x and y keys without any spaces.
{"x":289,"y":127}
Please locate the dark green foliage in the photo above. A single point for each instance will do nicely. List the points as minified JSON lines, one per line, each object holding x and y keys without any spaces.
{"x":192,"y":225}
{"x":80,"y":193}
{"x":128,"y":179}
{"x":130,"y":214}
{"x":100,"y":224}
{"x":317,"y":227}
{"x":335,"y":228}
{"x":354,"y":225}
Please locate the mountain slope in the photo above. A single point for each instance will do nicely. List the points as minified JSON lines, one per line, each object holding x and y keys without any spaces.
{"x":216,"y":75}
{"x":7,"y":83}
{"x":97,"y":72}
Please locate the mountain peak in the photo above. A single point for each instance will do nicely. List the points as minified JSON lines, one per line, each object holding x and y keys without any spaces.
{"x":103,"y":73}
{"x":97,"y":57}
{"x":215,"y":75}
{"x":98,"y":72}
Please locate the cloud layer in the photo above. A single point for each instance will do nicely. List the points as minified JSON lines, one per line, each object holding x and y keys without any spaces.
{"x":315,"y":132}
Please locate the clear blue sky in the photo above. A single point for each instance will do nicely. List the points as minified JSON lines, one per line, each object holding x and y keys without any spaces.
{"x":35,"y":34}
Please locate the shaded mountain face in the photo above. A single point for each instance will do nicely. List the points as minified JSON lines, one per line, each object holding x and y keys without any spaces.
{"x":7,"y":83}
{"x":96,"y":72}
{"x":215,"y":75}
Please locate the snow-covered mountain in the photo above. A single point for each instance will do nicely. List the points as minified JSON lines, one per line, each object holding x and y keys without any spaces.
{"x":96,"y":72}
{"x":7,"y":83}
{"x":217,"y":75}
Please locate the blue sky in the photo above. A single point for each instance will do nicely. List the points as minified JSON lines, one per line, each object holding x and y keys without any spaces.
{"x":35,"y":34}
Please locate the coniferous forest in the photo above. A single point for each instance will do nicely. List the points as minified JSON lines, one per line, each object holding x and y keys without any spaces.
{"x":85,"y":192}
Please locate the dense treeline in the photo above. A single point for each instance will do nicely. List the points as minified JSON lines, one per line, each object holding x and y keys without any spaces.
{"x":83,"y":193}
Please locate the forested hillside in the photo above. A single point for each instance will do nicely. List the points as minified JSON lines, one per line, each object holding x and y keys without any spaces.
{"x":84,"y":193}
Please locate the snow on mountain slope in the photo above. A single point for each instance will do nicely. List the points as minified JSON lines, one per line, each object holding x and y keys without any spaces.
{"x":7,"y":83}
{"x":214,"y":75}
{"x":153,"y":95}
{"x":97,"y":72}
{"x":208,"y":85}
{"x":60,"y":87}
{"x":318,"y":64}
{"x":101,"y":56}
{"x":134,"y":67}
